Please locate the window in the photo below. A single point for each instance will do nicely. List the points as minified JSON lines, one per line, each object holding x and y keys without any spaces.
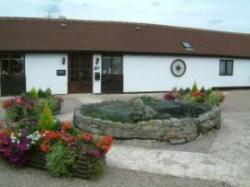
{"x":12,"y":64}
{"x":112,"y":65}
{"x":226,"y":67}
{"x":187,"y":46}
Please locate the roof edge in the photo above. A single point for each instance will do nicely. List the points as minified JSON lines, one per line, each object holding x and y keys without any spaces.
{"x":123,"y":22}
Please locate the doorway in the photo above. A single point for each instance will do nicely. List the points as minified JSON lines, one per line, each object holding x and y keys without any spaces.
{"x":80,"y":73}
{"x":112,"y":74}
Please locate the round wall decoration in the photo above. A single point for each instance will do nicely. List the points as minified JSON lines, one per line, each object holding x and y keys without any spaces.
{"x":178,"y":68}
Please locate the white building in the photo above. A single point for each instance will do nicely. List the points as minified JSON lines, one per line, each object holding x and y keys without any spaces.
{"x":70,"y":56}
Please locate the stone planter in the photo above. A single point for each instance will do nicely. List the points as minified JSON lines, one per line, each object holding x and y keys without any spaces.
{"x":83,"y":168}
{"x":173,"y":130}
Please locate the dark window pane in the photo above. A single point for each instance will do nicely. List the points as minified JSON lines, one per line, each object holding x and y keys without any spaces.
{"x":230,"y":67}
{"x":106,"y":65}
{"x":86,"y":71}
{"x":222,"y":67}
{"x":117,"y":66}
{"x":12,"y":64}
{"x":74,"y":70}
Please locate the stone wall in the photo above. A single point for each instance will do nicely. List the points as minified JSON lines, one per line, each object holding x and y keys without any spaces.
{"x":175,"y":131}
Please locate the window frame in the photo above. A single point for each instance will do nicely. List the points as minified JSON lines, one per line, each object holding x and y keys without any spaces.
{"x":112,"y":62}
{"x":226,"y":73}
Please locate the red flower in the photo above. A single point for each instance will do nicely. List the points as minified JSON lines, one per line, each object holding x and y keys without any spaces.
{"x":45,"y":145}
{"x":87,"y":137}
{"x":66,"y":125}
{"x":7,"y":103}
{"x":169,"y":96}
{"x":105,"y":143}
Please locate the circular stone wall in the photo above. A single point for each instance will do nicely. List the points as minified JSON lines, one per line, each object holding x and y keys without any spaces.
{"x":174,"y":131}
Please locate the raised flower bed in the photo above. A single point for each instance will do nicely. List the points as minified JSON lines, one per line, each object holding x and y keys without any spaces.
{"x":180,"y":117}
{"x":46,"y":143}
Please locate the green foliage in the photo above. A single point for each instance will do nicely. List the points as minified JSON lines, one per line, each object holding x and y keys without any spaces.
{"x":48,"y":92}
{"x":148,"y":100}
{"x":46,"y":119}
{"x":44,"y":94}
{"x":194,"y":88}
{"x":203,"y":90}
{"x":33,"y":94}
{"x":187,"y":90}
{"x":98,"y":168}
{"x":213,"y":99}
{"x":187,"y":98}
{"x":60,"y":160}
{"x":16,"y":113}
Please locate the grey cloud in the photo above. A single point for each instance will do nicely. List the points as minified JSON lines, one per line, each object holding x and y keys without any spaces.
{"x":215,"y":21}
{"x":155,"y":3}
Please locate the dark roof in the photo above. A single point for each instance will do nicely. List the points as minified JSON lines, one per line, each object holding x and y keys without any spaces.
{"x":34,"y":34}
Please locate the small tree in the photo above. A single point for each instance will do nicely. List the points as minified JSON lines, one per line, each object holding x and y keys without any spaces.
{"x":46,"y":119}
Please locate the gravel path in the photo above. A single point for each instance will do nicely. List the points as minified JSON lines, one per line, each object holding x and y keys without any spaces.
{"x":114,"y":177}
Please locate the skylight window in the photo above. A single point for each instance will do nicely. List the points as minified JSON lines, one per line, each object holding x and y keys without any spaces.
{"x":187,"y":46}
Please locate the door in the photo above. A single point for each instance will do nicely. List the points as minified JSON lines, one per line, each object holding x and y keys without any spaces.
{"x":80,"y":73}
{"x":112,"y":74}
{"x":12,"y":74}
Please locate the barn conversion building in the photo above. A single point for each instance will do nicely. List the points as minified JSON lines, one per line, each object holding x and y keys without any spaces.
{"x":73,"y":56}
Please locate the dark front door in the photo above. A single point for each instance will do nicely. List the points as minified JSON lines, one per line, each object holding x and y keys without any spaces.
{"x":80,"y":73}
{"x":112,"y":74}
{"x":12,"y":74}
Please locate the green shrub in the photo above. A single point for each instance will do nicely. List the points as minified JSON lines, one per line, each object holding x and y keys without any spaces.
{"x":46,"y":119}
{"x":187,"y":98}
{"x":213,"y":99}
{"x":194,"y":88}
{"x":60,"y":160}
{"x":33,"y":94}
{"x":48,"y":92}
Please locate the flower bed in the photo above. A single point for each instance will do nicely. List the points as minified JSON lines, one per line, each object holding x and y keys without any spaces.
{"x":195,"y":95}
{"x":58,"y":147}
{"x":30,"y":105}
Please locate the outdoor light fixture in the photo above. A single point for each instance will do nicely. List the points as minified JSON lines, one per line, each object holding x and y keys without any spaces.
{"x":63,"y":60}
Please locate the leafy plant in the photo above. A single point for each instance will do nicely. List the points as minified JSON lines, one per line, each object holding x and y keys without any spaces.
{"x":46,"y":119}
{"x":194,"y":88}
{"x":60,"y":160}
{"x":213,"y":99}
{"x":33,"y":93}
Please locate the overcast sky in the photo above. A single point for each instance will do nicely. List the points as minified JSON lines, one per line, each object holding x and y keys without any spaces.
{"x":228,"y":15}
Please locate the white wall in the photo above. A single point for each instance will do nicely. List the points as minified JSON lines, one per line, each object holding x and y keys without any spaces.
{"x":97,"y":67}
{"x":40,"y":70}
{"x":144,"y":73}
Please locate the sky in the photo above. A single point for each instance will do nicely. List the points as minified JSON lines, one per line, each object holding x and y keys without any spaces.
{"x":226,"y":15}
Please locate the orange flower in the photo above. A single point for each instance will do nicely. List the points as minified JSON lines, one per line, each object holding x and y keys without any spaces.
{"x":105,"y":143}
{"x":52,"y":135}
{"x":66,"y":125}
{"x":197,"y":94}
{"x":45,"y":146}
{"x":87,"y":137}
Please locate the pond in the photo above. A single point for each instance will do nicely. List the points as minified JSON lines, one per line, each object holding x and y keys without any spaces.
{"x":148,"y":118}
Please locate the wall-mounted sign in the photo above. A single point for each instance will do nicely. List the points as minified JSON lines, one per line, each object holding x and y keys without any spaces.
{"x":61,"y":72}
{"x":97,"y":68}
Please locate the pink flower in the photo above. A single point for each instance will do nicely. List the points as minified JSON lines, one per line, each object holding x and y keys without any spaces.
{"x":18,"y":100}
